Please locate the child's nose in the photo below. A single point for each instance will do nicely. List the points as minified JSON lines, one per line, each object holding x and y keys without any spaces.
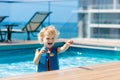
{"x":51,"y":40}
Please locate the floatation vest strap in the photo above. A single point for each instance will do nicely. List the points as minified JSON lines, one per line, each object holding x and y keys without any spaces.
{"x":48,"y":59}
{"x":48,"y":62}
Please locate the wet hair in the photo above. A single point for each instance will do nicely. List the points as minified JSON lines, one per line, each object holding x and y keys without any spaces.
{"x":50,"y":30}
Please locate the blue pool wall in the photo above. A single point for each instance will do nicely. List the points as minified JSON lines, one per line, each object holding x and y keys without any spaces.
{"x":72,"y":48}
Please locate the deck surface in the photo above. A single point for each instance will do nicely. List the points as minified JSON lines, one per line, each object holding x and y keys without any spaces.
{"x":108,"y":71}
{"x":97,"y":42}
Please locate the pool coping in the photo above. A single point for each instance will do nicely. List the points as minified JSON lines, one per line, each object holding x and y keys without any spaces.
{"x":78,"y":42}
{"x":22,"y":44}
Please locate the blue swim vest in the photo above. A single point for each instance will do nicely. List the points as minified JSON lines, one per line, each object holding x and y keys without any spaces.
{"x":54,"y":64}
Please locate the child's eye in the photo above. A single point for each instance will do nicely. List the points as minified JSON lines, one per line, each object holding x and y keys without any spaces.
{"x":53,"y":38}
{"x":47,"y":38}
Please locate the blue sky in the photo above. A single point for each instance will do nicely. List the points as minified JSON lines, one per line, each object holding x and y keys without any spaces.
{"x":62,"y":11}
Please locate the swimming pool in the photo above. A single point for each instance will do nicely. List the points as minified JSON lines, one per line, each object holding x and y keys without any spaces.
{"x":19,"y":61}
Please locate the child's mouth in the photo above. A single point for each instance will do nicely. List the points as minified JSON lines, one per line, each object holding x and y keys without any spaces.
{"x":49,"y":43}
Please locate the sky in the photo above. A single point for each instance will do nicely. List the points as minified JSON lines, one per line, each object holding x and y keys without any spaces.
{"x":62,"y":11}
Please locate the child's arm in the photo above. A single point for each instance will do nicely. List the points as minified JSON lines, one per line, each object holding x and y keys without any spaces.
{"x":37,"y":55}
{"x":65,"y":46}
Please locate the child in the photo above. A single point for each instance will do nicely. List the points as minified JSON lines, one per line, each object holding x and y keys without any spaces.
{"x":46,"y":58}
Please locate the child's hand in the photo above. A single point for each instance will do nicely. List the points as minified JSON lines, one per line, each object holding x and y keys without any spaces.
{"x":40,"y":51}
{"x":69,"y":42}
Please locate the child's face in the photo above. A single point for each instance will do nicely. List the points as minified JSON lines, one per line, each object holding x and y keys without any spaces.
{"x":48,"y":40}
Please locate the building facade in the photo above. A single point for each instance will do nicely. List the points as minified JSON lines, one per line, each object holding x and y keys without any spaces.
{"x":99,"y":19}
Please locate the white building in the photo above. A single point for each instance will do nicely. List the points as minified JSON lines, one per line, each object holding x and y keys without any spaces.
{"x":99,"y":19}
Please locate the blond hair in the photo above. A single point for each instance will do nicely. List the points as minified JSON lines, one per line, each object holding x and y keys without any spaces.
{"x":50,"y":30}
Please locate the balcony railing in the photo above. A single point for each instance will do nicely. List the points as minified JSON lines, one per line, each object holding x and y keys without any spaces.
{"x":102,"y":6}
{"x":97,"y":7}
{"x":106,"y":21}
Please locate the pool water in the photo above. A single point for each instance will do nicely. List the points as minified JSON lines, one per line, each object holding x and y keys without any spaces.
{"x":76,"y":57}
{"x":17,"y":62}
